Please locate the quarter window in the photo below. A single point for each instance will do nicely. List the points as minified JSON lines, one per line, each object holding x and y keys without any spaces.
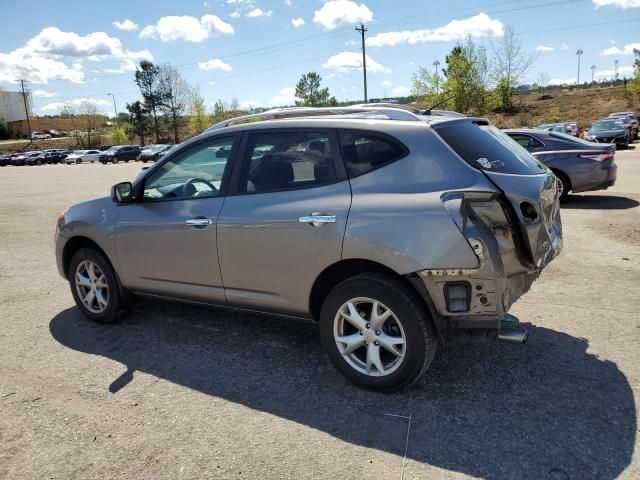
{"x":364,"y":152}
{"x":286,"y":160}
{"x":196,"y":174}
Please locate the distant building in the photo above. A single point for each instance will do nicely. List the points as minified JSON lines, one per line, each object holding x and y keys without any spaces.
{"x":12,"y":106}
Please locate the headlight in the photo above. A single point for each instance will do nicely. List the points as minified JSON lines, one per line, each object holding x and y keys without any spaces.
{"x":60,"y":218}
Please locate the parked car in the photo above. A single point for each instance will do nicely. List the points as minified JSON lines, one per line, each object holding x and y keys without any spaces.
{"x":19,"y":159}
{"x":119,"y":153}
{"x":80,"y":156}
{"x":39,"y":158}
{"x":151,"y":153}
{"x":57,"y":155}
{"x":564,"y":127}
{"x":5,"y":160}
{"x":579,"y":166}
{"x":630,"y":119}
{"x":610,"y":131}
{"x":40,"y":136}
{"x":389,"y":233}
{"x":56,"y":133}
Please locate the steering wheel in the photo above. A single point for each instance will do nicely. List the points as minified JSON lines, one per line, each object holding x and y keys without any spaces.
{"x":189,"y":190}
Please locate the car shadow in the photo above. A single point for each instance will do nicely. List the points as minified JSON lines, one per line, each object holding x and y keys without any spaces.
{"x":598,"y":202}
{"x":548,"y":409}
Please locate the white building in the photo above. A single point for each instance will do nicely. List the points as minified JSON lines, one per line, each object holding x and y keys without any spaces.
{"x":12,"y":106}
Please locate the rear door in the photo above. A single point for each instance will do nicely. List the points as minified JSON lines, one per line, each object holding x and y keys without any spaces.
{"x":284,"y":222}
{"x":529,"y":187}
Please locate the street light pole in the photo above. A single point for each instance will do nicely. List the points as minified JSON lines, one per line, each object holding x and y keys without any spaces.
{"x":362,"y":29}
{"x":579,"y":54}
{"x":435,"y":64}
{"x":593,"y":72}
{"x":114,"y":105}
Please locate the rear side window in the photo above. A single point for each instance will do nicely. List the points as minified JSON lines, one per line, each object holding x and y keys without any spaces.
{"x":365,"y":151}
{"x":276,"y":161}
{"x":485,"y":147}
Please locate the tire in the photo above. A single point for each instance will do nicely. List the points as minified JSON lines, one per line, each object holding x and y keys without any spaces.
{"x":114,"y":306}
{"x":115,"y":160}
{"x":563,"y":183}
{"x":409,"y":321}
{"x":78,"y":161}
{"x":38,"y":162}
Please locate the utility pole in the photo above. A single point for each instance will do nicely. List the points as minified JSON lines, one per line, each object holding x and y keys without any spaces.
{"x":26,"y":108}
{"x":579,"y":54}
{"x":362,"y":29}
{"x":593,"y":72}
{"x":435,"y":64}
{"x":616,"y":64}
{"x":114,"y":105}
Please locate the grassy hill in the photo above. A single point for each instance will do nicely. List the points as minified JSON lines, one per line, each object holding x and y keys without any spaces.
{"x":583,"y":106}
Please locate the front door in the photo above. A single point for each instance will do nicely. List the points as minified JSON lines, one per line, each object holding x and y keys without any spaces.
{"x":166,"y":244}
{"x":285,"y":221}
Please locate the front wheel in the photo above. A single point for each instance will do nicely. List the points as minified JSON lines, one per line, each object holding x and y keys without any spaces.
{"x":563,"y":185}
{"x":94,"y":286}
{"x":376,"y":332}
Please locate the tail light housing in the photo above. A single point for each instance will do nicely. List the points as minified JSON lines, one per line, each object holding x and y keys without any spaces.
{"x":598,"y":157}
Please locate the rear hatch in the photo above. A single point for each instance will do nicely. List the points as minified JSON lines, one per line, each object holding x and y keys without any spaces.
{"x":531,"y":198}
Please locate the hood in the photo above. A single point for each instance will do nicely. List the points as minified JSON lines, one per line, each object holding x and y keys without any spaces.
{"x":607,"y":133}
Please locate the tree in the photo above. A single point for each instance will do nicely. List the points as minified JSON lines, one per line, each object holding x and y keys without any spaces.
{"x":466,"y":78}
{"x":543,"y":80}
{"x":117,"y":135}
{"x":148,"y":81}
{"x":510,"y":65}
{"x":139,"y":118}
{"x":309,"y":93}
{"x":174,"y":93}
{"x":427,"y":87}
{"x":636,"y":66}
{"x":4,"y":129}
{"x":198,"y":118}
{"x":90,"y":118}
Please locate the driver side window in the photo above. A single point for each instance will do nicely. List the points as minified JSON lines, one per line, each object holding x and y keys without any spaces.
{"x":197,"y":173}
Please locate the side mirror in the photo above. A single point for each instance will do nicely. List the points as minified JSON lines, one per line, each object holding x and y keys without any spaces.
{"x":122,"y":192}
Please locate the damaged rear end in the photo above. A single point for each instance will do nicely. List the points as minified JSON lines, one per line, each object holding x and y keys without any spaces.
{"x":515,"y":230}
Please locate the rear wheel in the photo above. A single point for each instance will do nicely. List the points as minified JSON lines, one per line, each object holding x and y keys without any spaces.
{"x":115,"y":160}
{"x":94,"y":286}
{"x":563,"y":184}
{"x":376,"y":332}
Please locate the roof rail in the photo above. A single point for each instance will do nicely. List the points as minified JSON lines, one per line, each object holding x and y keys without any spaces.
{"x":302,"y":112}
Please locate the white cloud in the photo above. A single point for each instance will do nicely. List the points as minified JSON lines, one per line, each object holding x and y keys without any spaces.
{"x":611,"y":51}
{"x":562,"y":81}
{"x":44,"y":94}
{"x":564,"y":46}
{"x":401,"y":91}
{"x":288,"y":3}
{"x":76,"y":102}
{"x":478,"y":26}
{"x":544,"y":48}
{"x":385,"y":83}
{"x":624,"y":4}
{"x":626,"y":50}
{"x":285,"y":96}
{"x":57,"y":55}
{"x":611,"y":73}
{"x":130,"y":61}
{"x":214,"y":64}
{"x":257,"y":12}
{"x":235,"y":14}
{"x":126,"y":25}
{"x":187,"y":28}
{"x":346,"y":61}
{"x":297,"y":22}
{"x":337,"y":12}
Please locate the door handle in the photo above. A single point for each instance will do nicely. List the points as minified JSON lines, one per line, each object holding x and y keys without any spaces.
{"x":199,"y":222}
{"x":317,"y":219}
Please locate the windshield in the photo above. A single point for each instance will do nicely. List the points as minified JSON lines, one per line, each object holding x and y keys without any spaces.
{"x":488,"y":148}
{"x":113,"y":149}
{"x":607,"y":125}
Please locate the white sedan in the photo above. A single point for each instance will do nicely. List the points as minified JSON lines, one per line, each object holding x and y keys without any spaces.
{"x":79,"y":156}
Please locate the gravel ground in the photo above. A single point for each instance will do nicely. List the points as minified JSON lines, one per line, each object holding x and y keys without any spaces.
{"x":183,"y":392}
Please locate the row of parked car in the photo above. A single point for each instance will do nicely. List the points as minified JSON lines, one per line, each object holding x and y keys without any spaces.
{"x":619,"y":128}
{"x":115,"y":154}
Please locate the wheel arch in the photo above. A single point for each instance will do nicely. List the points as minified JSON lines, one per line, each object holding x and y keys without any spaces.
{"x":340,"y":271}
{"x":76,"y":243}
{"x":558,"y":172}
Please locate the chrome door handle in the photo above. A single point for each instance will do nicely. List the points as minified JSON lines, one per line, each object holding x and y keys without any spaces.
{"x":199,"y":222}
{"x":317,"y":219}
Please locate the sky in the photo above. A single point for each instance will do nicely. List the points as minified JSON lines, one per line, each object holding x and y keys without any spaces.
{"x":256,"y":50}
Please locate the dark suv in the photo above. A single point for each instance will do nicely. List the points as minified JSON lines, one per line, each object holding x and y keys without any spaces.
{"x":119,"y":153}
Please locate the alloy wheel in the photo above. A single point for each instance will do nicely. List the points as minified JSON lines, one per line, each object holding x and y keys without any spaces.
{"x":92,"y":287}
{"x":369,"y":337}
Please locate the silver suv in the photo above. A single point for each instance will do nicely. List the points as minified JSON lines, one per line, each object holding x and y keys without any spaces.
{"x":393,"y":230}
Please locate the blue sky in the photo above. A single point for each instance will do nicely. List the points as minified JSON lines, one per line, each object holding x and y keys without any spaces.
{"x":255,"y":50}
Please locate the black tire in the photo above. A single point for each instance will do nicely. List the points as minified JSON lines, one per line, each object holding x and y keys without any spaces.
{"x":115,"y":160}
{"x":566,"y":184}
{"x":420,"y":335}
{"x":115,"y":305}
{"x":38,"y":162}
